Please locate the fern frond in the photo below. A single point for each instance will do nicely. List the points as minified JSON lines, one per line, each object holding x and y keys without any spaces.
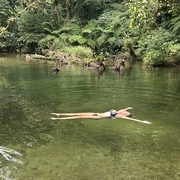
{"x":65,"y":29}
{"x":75,"y":38}
{"x":48,"y":26}
{"x":176,"y":28}
{"x":86,"y":31}
{"x":101,"y":39}
{"x":50,"y":37}
{"x":69,"y":28}
{"x":91,"y":43}
{"x":55,"y":32}
{"x":111,"y":40}
{"x":82,"y":41}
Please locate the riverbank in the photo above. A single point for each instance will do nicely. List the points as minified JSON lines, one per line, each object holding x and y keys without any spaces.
{"x":117,"y":62}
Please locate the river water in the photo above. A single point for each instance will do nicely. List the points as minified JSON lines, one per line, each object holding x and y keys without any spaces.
{"x":107,"y":149}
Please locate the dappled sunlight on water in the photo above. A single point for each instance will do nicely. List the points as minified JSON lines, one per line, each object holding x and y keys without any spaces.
{"x":88,"y":149}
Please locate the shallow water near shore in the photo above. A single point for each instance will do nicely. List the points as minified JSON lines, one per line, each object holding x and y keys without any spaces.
{"x":107,"y":149}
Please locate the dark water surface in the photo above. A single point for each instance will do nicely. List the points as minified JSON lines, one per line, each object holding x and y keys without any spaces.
{"x":108,"y":149}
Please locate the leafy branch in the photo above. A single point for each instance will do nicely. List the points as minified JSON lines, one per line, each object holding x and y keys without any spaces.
{"x":11,"y":20}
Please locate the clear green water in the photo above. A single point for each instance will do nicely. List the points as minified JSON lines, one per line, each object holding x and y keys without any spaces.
{"x":88,"y":149}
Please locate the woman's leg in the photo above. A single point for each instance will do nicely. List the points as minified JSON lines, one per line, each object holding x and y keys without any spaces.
{"x":78,"y":117}
{"x":74,"y":114}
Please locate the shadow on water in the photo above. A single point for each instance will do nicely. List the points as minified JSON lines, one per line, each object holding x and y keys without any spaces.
{"x":88,"y":149}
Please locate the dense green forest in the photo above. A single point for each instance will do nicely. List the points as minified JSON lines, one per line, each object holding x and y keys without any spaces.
{"x":147,"y":30}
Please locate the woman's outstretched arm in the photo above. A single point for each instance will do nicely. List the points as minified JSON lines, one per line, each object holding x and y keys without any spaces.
{"x":132,"y":119}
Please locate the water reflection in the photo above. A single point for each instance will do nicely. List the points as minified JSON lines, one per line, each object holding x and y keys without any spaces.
{"x":87,"y":149}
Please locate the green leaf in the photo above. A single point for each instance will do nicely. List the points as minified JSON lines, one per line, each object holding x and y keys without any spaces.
{"x":91,"y":43}
{"x":82,"y":41}
{"x":75,"y":38}
{"x":101,"y":39}
{"x":111,"y":40}
{"x":86,"y":31}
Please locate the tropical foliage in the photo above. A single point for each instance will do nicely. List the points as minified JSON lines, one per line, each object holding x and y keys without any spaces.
{"x":146,"y":29}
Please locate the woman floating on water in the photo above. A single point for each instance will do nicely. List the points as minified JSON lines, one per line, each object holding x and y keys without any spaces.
{"x":123,"y":113}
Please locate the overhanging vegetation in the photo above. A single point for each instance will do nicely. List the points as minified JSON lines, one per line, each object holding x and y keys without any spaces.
{"x":146,"y":29}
